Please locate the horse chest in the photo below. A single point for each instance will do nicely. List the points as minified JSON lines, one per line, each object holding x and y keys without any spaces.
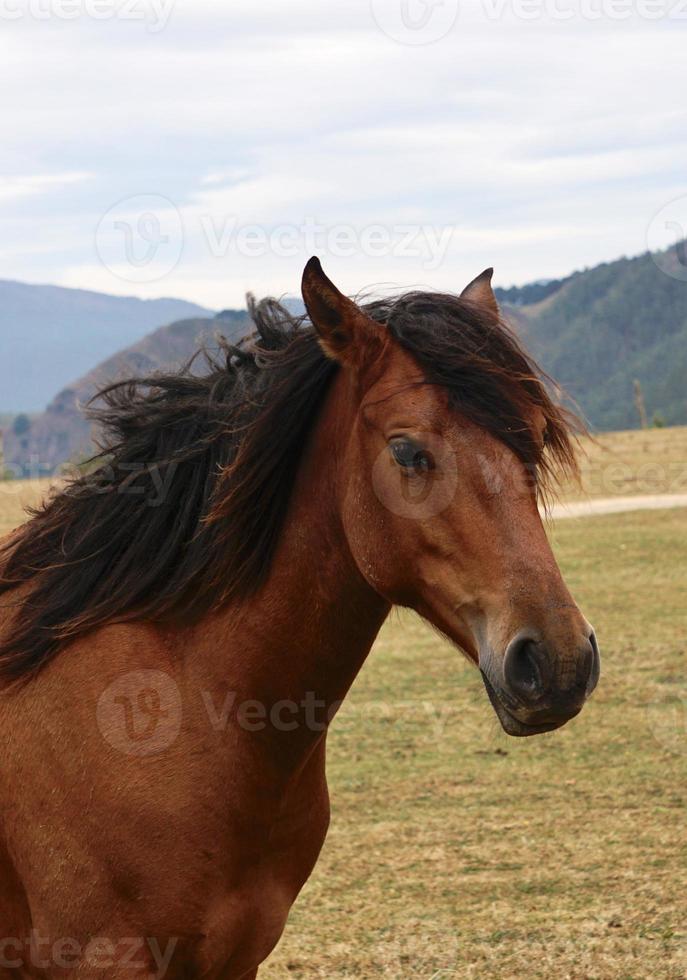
{"x":244,"y":927}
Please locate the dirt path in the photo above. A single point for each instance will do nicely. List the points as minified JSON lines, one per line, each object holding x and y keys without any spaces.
{"x":618,"y":505}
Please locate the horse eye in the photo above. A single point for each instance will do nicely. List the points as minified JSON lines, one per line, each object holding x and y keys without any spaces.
{"x":410,"y":456}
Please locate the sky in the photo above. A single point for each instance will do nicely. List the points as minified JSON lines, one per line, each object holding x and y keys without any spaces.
{"x":201,"y":149}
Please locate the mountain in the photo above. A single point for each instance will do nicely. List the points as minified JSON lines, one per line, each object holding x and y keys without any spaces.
{"x":600,"y":329}
{"x":50,"y":335}
{"x":532,"y":293}
{"x":35,"y":446}
{"x":595,"y":332}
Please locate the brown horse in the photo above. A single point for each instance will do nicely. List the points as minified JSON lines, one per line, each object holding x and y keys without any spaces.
{"x":180,"y":624}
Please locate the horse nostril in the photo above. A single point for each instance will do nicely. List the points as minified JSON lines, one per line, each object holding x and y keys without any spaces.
{"x":525,"y":668}
{"x":534,"y":675}
{"x":592,"y":677}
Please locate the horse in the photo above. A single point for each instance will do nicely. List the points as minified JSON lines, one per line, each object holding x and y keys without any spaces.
{"x":182,"y":619}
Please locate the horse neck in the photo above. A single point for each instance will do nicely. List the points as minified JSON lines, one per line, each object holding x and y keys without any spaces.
{"x":311,"y":626}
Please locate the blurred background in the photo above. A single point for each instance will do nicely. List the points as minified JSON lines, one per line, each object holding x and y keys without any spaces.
{"x":162,"y":157}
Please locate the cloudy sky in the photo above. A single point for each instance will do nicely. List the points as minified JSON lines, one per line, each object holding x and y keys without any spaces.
{"x":199,"y":149}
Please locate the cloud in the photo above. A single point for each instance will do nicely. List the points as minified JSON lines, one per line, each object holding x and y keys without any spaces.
{"x":538,"y":146}
{"x":31,"y":184}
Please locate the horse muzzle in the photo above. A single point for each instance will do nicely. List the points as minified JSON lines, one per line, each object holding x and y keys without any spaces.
{"x":535,"y":689}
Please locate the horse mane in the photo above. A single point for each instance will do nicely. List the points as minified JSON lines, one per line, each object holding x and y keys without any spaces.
{"x":182,"y":508}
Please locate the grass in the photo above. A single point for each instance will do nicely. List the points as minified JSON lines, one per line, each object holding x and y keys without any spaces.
{"x":15,"y":497}
{"x":617,"y":464}
{"x":458,"y":852}
{"x":613,"y":464}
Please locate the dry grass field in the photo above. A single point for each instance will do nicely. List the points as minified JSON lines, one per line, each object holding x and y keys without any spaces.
{"x":613,"y":464}
{"x":15,"y":497}
{"x":618,"y":464}
{"x":458,"y":852}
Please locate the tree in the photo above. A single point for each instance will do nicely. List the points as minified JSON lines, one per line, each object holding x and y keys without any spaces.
{"x":21,"y":425}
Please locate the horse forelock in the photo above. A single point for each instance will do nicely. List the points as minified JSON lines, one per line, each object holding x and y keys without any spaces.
{"x":182,"y":509}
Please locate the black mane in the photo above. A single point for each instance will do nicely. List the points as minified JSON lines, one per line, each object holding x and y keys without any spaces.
{"x":184,"y":504}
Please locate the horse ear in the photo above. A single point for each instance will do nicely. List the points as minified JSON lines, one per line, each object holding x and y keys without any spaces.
{"x":480,"y":292}
{"x":345,"y":332}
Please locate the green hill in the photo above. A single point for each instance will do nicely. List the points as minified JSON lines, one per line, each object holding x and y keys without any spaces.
{"x":594,"y":332}
{"x":598,"y":330}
